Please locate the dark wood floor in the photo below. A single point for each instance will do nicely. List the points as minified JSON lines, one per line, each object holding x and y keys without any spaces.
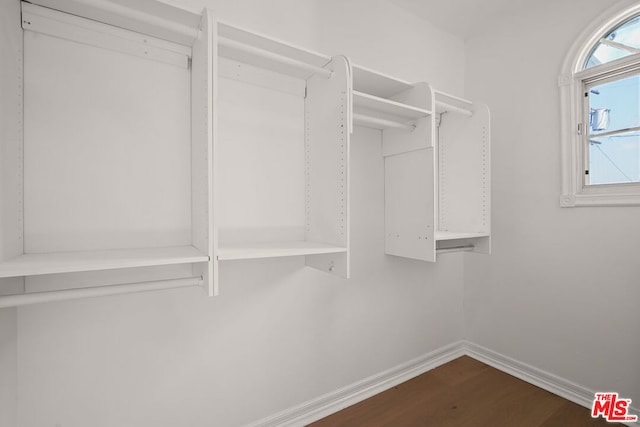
{"x":464,"y":393}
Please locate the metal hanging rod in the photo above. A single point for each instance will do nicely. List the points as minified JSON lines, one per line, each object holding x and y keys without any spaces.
{"x":262,"y":53}
{"x":97,"y":291}
{"x":465,"y":248}
{"x":454,"y":109}
{"x":377,"y":123}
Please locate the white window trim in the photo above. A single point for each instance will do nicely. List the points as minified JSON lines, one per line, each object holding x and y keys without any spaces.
{"x":571,"y":81}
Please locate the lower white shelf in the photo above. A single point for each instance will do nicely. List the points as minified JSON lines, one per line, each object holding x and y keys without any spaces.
{"x":275,"y":249}
{"x":453,"y":235}
{"x":71,"y":262}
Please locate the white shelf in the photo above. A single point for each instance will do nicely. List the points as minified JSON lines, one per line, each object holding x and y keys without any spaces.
{"x":378,"y":84}
{"x":449,"y":103}
{"x":151,"y":18}
{"x":453,"y":235}
{"x":386,"y":106}
{"x":255,"y":49}
{"x":275,"y":249}
{"x":71,"y":262}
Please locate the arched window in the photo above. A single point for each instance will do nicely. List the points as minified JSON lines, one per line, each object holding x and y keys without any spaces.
{"x":600,"y":96}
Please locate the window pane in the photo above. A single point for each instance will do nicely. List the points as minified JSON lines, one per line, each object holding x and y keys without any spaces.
{"x":614,"y":105}
{"x":625,"y":35}
{"x":628,"y":33}
{"x":603,"y":54}
{"x":614,"y":159}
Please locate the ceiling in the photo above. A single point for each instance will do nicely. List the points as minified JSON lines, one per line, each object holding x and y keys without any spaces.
{"x":461,"y":17}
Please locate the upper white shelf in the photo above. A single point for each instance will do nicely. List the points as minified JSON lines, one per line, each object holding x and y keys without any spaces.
{"x":378,"y":84}
{"x":449,"y":103}
{"x":386,"y":106}
{"x":146,"y":17}
{"x":453,"y":235}
{"x":264,"y":52}
{"x":71,"y":262}
{"x":275,"y":249}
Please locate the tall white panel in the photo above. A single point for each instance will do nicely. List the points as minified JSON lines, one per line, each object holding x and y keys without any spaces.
{"x":327,"y":118}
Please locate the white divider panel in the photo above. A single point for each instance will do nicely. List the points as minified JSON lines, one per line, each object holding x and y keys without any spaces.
{"x":327,"y":118}
{"x":409,"y":205}
{"x":464,"y":172}
{"x":203,"y":157}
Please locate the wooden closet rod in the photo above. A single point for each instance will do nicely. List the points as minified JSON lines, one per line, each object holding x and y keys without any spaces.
{"x":377,"y":123}
{"x":262,"y":53}
{"x":97,"y":291}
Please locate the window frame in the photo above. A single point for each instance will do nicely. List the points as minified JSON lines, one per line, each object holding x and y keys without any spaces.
{"x":573,"y":82}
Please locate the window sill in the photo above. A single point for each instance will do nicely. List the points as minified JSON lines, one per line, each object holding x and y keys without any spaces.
{"x":599,"y":199}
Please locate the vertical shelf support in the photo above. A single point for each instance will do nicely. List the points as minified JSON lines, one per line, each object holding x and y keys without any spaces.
{"x":327,"y":138}
{"x":203,"y":122}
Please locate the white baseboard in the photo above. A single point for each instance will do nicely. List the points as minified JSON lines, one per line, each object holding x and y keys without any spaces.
{"x":330,"y":403}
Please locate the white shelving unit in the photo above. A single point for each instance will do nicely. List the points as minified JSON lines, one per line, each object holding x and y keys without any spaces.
{"x":436,"y":153}
{"x":407,"y":147}
{"x":108,"y":173}
{"x":243,"y":154}
{"x":282,"y":156}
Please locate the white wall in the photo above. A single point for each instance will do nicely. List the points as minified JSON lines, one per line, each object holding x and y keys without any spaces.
{"x":562,"y":286}
{"x":279,"y":333}
{"x":374,"y":34}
